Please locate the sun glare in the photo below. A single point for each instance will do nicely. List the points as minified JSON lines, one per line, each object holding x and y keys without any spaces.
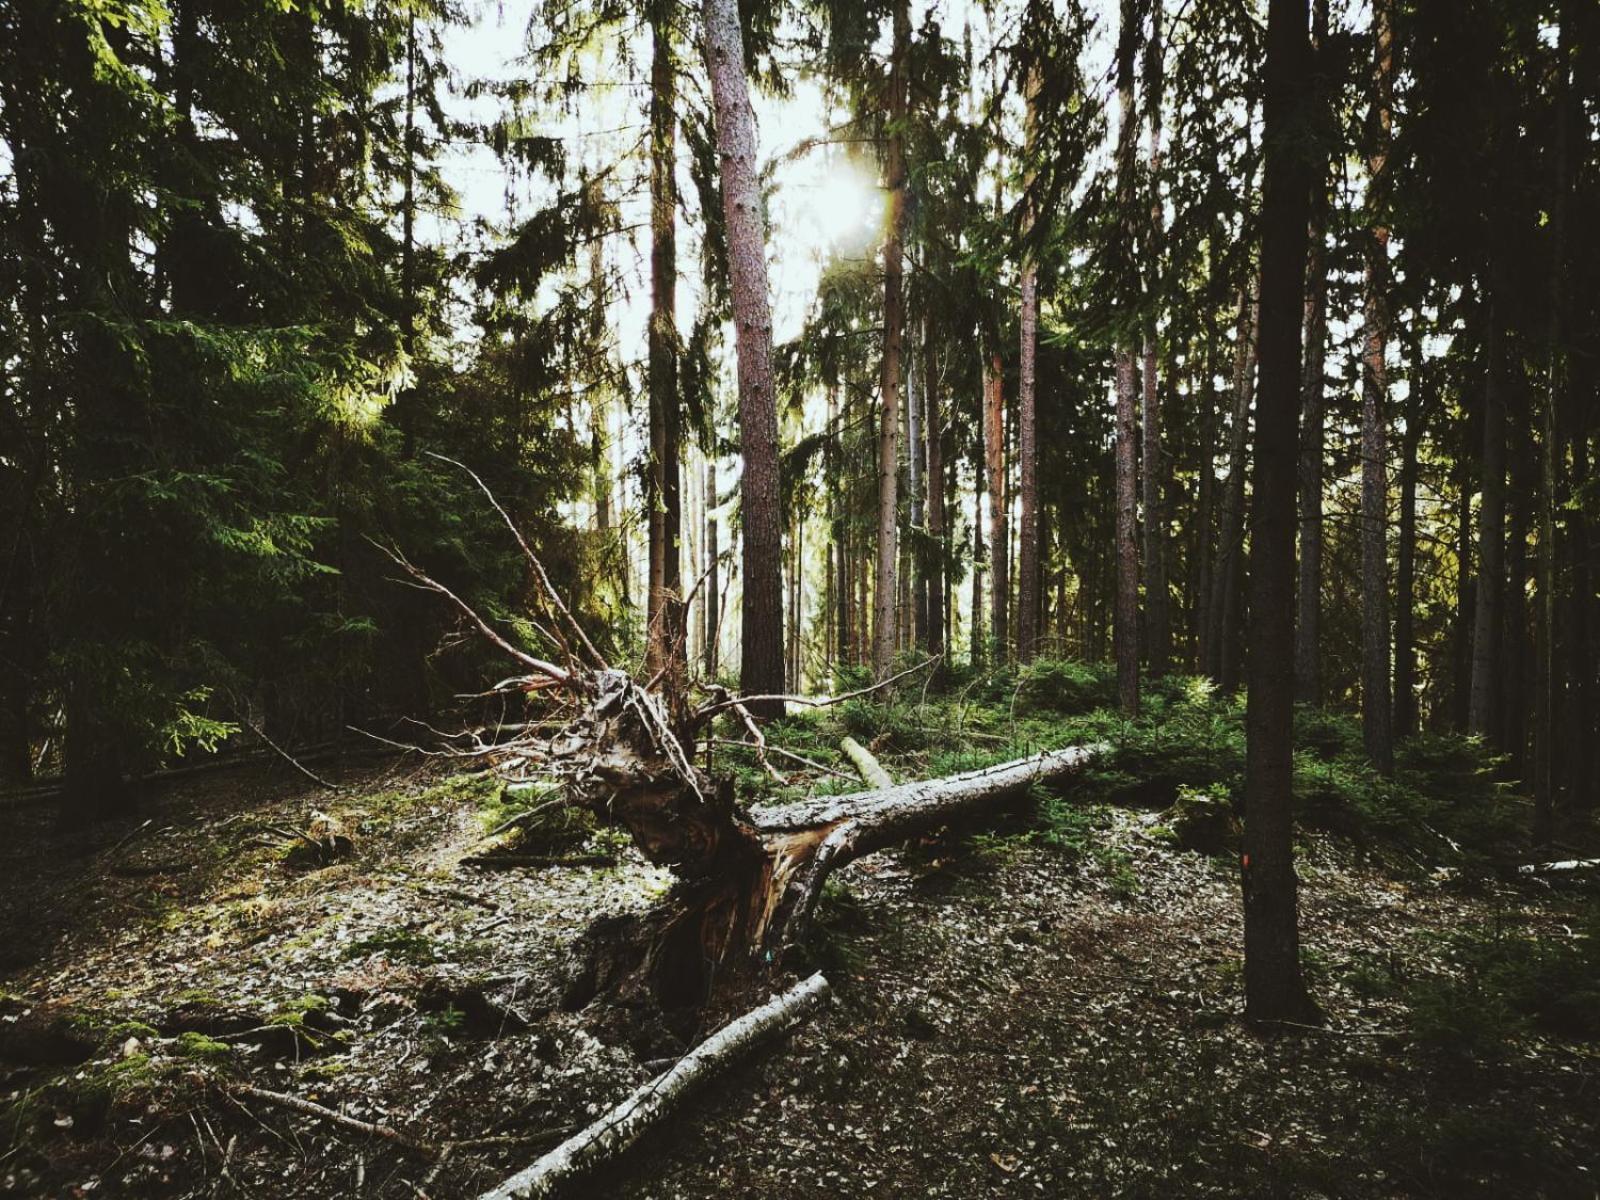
{"x":841,"y":210}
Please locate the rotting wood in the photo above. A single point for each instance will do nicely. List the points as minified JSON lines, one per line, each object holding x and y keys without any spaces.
{"x":648,"y":1105}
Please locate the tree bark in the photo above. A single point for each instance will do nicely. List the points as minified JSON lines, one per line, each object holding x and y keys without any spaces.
{"x":1491,"y":540}
{"x":713,"y":617}
{"x":761,"y":613}
{"x":1551,"y":683}
{"x":1308,"y":632}
{"x":1204,"y":533}
{"x":1027,"y":413}
{"x":917,"y":551}
{"x":1157,"y":603}
{"x":1377,"y":722}
{"x":885,"y":591}
{"x":937,"y":554}
{"x":1125,"y":630}
{"x":979,"y":466}
{"x":664,"y":649}
{"x":994,"y":450}
{"x":1274,"y":988}
{"x":1405,"y":638}
{"x":1227,"y":581}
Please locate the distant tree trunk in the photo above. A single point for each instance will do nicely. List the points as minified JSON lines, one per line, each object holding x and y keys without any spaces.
{"x":797,"y":558}
{"x":599,"y":399}
{"x":916,"y":555}
{"x":1274,"y":989}
{"x":713,"y":618}
{"x":1308,"y":632}
{"x":1491,"y":540}
{"x":761,"y":615}
{"x":664,"y":649}
{"x":1227,"y":583}
{"x":1551,"y":457}
{"x":1125,"y":630}
{"x":885,"y":616}
{"x":937,"y":554}
{"x":1158,"y":622}
{"x":1579,"y":732}
{"x":1461,"y":682}
{"x":1405,"y":638}
{"x":1377,"y":724}
{"x":1204,"y":533}
{"x":994,"y":449}
{"x":1027,"y":416}
{"x":1514,"y":686}
{"x":979,"y":462}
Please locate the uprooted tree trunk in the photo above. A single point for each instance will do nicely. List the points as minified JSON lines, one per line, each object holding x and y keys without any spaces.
{"x":747,"y":883}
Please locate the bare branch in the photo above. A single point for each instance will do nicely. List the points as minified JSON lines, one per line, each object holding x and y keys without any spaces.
{"x":550,"y":669}
{"x":717,"y":706}
{"x":533,"y":560}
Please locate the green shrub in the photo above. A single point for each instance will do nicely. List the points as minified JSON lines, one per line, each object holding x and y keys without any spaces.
{"x":1065,"y":686}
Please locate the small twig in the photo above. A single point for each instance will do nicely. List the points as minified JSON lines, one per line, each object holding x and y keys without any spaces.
{"x":533,"y":560}
{"x":715,"y":707}
{"x":312,"y":1109}
{"x":291,"y":759}
{"x":799,"y":758}
{"x":540,"y":665}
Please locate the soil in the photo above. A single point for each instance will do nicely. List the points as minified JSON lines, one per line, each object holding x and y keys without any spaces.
{"x":1010,"y":1017}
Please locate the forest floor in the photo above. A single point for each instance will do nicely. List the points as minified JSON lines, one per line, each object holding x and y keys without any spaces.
{"x":1043,"y":1007}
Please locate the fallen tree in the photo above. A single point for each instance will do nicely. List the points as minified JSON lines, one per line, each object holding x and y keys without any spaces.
{"x":747,"y":883}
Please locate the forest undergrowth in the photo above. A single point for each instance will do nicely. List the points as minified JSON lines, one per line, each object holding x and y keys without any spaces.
{"x":1046,"y":1003}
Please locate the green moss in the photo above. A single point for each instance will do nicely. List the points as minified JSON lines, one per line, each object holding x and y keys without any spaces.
{"x":199,"y":1046}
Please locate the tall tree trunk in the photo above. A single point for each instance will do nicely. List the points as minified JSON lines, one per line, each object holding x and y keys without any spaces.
{"x":1227,"y":583}
{"x":1377,"y":725}
{"x":1405,"y":638}
{"x":664,"y":650}
{"x":1308,"y":632}
{"x":713,"y":617}
{"x":1579,"y":727}
{"x":599,"y":400}
{"x":1491,"y":539}
{"x":994,"y":450}
{"x":1461,"y":632}
{"x":1206,"y":503}
{"x":937,"y":554}
{"x":885,"y":615}
{"x":980,"y":458}
{"x":1274,"y":989}
{"x":761,"y":615}
{"x":1027,"y":412}
{"x":1157,"y":603}
{"x":917,"y":551}
{"x":1125,"y":630}
{"x":1514,"y":696}
{"x":1550,"y":682}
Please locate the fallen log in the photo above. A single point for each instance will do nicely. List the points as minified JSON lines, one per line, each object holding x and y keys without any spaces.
{"x":628,"y":1121}
{"x":1566,"y":866}
{"x":871,"y":770}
